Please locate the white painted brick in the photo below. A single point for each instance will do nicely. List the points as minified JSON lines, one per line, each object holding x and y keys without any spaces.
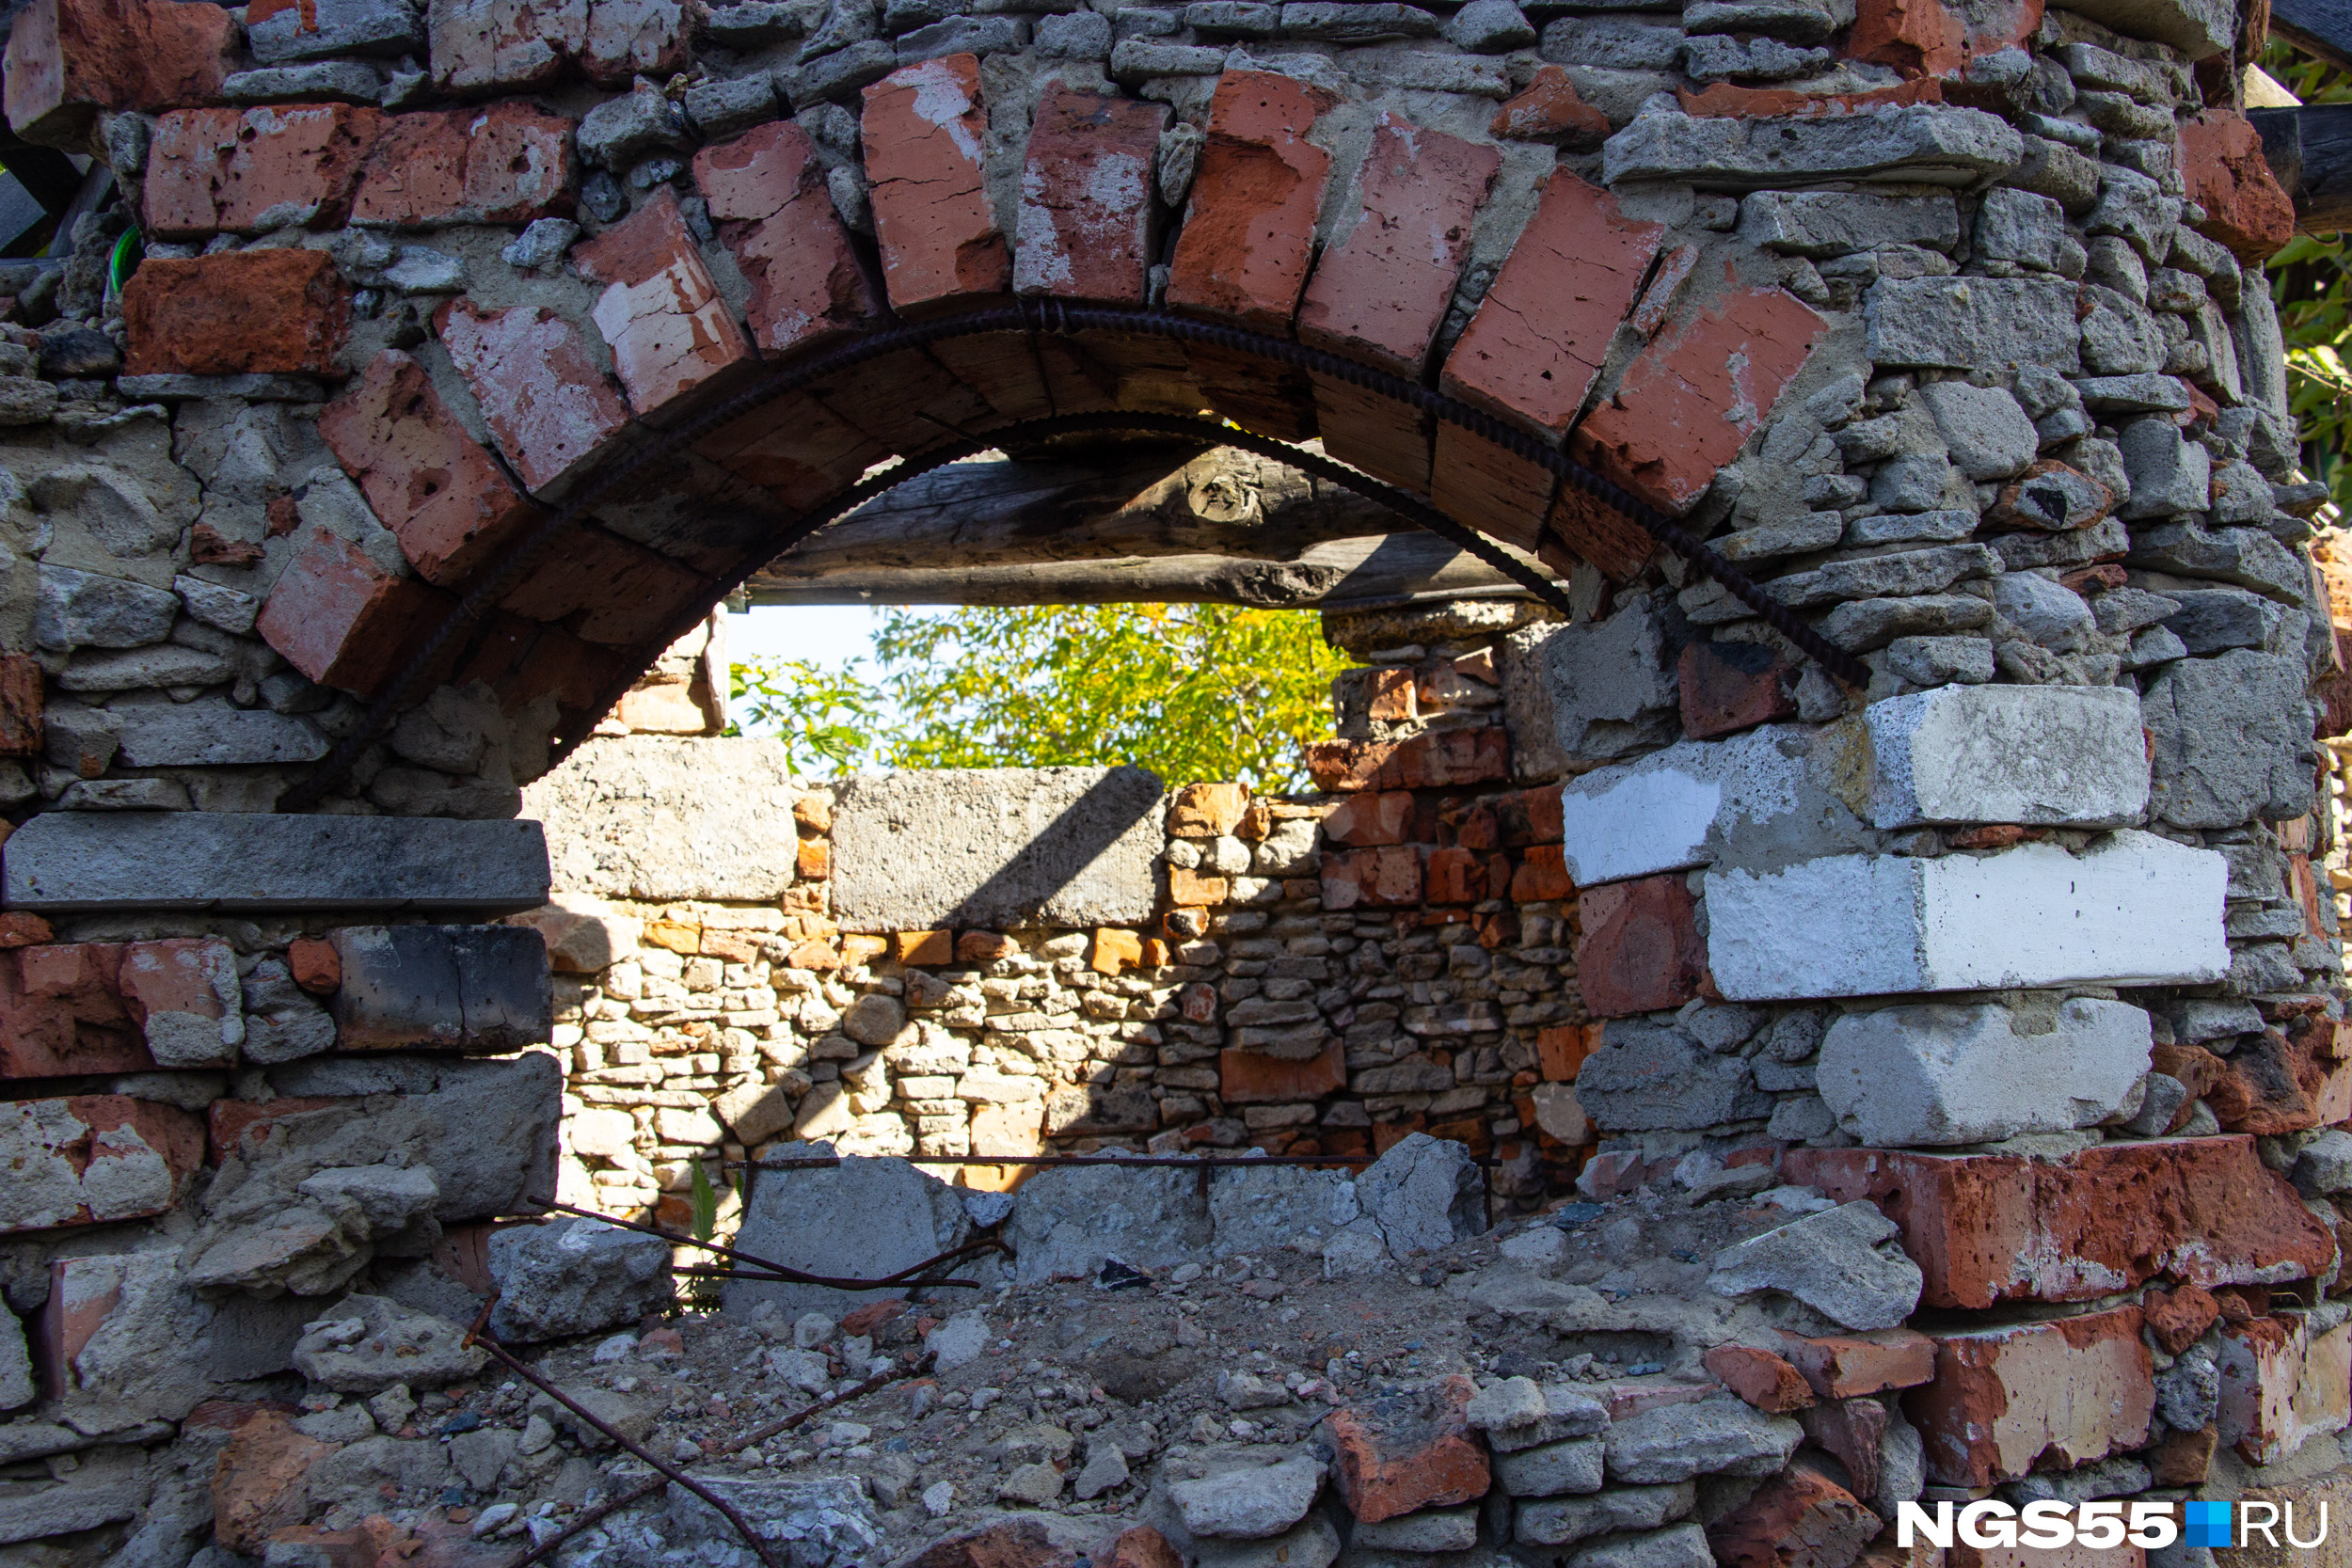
{"x":2042,"y":756}
{"x":1656,"y":813}
{"x":2133,"y":909}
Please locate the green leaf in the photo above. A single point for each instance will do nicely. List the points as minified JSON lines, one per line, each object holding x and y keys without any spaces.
{"x":703,"y":1200}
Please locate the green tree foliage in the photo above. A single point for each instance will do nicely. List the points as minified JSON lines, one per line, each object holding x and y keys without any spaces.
{"x":825,"y":717}
{"x":2312,"y":282}
{"x":1193,"y":692}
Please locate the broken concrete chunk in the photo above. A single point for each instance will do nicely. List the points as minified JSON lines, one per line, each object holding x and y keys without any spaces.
{"x":1832,"y":1261}
{"x":1424,"y":1193}
{"x":365,"y":1344}
{"x":576,"y":1276}
{"x":1712,"y":1436}
{"x":793,"y":1217}
{"x":1939,"y":1074}
{"x":1250,"y":1502}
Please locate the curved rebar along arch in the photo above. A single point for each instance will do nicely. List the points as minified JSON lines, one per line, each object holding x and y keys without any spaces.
{"x":1930,"y":828}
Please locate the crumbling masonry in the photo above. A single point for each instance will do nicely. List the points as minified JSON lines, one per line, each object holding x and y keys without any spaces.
{"x":1777,"y":1052}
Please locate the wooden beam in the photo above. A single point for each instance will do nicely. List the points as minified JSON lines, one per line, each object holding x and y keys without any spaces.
{"x":1360,"y":573}
{"x":2310,"y":150}
{"x":2321,"y":28}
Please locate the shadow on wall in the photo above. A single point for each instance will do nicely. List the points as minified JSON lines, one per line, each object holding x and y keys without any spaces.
{"x":997,"y":849}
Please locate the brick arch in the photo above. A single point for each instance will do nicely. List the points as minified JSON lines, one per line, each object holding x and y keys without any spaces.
{"x":677,"y":471}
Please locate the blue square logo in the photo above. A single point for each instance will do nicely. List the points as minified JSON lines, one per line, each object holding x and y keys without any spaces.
{"x":2208,"y":1525}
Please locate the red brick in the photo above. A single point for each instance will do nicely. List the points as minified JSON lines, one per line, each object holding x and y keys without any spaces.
{"x":1207,"y":810}
{"x":67,"y":59}
{"x":1693,"y":397}
{"x":1254,"y":1078}
{"x":1848,"y":1365}
{"x":550,"y":409}
{"x":1085,"y":229}
{"x":214,"y":169}
{"x":2183,"y":1458}
{"x":1727,"y":686}
{"x":1532,"y":352}
{"x":21,"y":929}
{"x":1249,"y":226}
{"x":2064,"y":1392}
{"x":20,"y":727}
{"x":1560,"y":1049}
{"x":1380,"y":879}
{"x":766,"y":192}
{"x":256,"y":1486}
{"x":1916,"y":36}
{"x":1015,"y":1544}
{"x":1477,"y":482}
{"x":524,"y":660}
{"x":1798,"y":1519}
{"x":314,"y":964}
{"x":480,"y":46}
{"x":94,"y":1160}
{"x":607,"y":590}
{"x":1641,"y":949}
{"x":1851,"y":1431}
{"x":2177,"y":1318}
{"x":1456,"y":876}
{"x":272,"y":311}
{"x":180,"y":993}
{"x":2280,"y":1386}
{"x":1411,"y":1450}
{"x":1343,"y":767}
{"x":1380,"y":293}
{"x":1548,"y":110}
{"x":1764,"y":1380}
{"x":503,"y":163}
{"x":2222,"y":164}
{"x":61,"y":1012}
{"x":1542,"y":876}
{"x":660,"y":312}
{"x":924,"y":125}
{"x":1448,"y":759}
{"x":343,"y":620}
{"x":1141,"y":1546}
{"x":1594,"y":532}
{"x":1986,"y":1228}
{"x":1373,"y":817}
{"x":2268,"y":1087}
{"x":1529,"y":816}
{"x":450,"y":504}
{"x":1387,"y":439}
{"x":795,"y":448}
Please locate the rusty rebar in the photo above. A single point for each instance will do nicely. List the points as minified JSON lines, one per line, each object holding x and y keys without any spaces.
{"x":590,"y":1518}
{"x":778,"y":1273}
{"x":482,"y":1336}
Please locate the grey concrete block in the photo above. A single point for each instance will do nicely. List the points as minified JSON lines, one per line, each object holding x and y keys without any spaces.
{"x":1987,"y":432}
{"x":86,"y":861}
{"x":1615,"y":43}
{"x":2231,"y":738}
{"x":1940,"y":1074}
{"x":861,"y":1219}
{"x":1835,"y":1261}
{"x":486,"y":1130}
{"x":996,"y":848}
{"x":1646,"y":1077}
{"x":1714,"y":1436}
{"x":1991,"y":323}
{"x":1924,"y":144}
{"x":1561,"y":1521}
{"x":576,"y":1276}
{"x":483,"y":989}
{"x":203,"y":735}
{"x":326,"y":28}
{"x":1832,"y":223}
{"x":1066,"y":1222}
{"x":1609,"y":685}
{"x":659,"y":818}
